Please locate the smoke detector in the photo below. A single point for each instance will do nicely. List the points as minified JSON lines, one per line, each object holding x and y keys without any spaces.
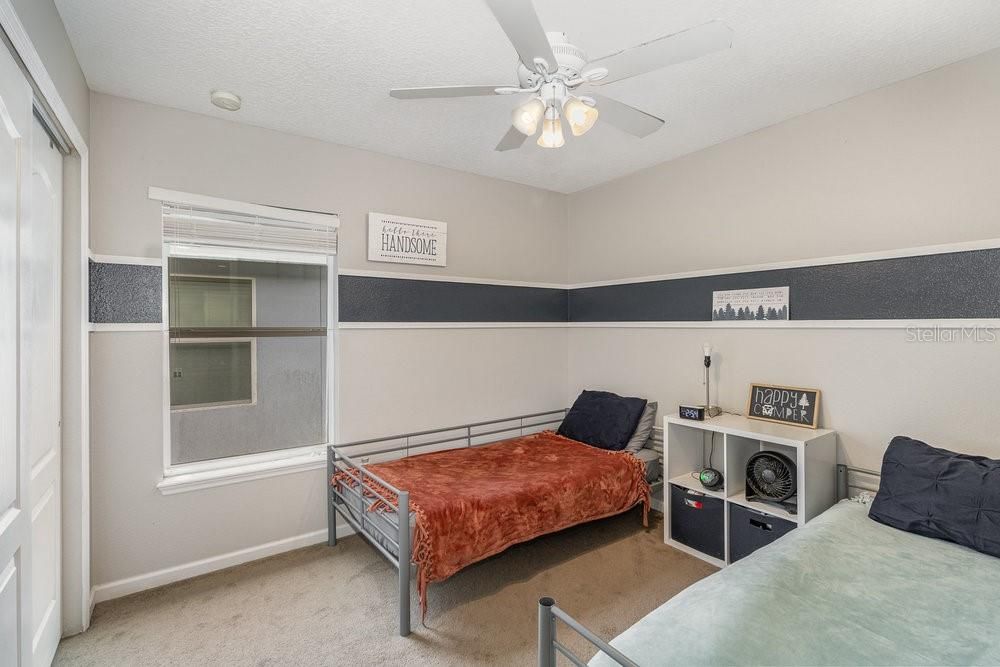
{"x":226,"y":100}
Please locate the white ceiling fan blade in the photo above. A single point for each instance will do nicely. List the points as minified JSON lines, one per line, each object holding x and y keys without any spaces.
{"x":444,"y":91}
{"x":625,"y":118}
{"x":519,"y":20}
{"x":670,"y":50}
{"x":512,"y":140}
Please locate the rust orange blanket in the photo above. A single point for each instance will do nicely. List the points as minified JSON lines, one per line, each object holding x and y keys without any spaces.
{"x":472,"y":503}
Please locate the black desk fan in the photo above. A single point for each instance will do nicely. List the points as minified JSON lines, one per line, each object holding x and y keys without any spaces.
{"x":771,"y":477}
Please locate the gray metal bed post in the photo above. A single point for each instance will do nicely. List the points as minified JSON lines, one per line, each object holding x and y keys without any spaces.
{"x":331,"y":498}
{"x":841,"y":481}
{"x":403,"y":522}
{"x":546,"y":633}
{"x":548,"y":645}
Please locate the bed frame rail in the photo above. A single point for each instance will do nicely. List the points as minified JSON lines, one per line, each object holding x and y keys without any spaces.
{"x":850,"y":480}
{"x":549,"y":647}
{"x":354,"y":502}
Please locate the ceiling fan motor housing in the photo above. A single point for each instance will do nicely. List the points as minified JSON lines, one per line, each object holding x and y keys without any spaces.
{"x":570,"y":59}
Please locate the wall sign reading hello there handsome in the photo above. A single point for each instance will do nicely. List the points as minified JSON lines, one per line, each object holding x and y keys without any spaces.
{"x":393,"y":238}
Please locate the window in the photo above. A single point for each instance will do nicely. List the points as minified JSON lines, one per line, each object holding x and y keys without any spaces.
{"x":207,"y":373}
{"x":209,"y":301}
{"x":249,"y":352}
{"x":247,"y":357}
{"x":211,"y":374}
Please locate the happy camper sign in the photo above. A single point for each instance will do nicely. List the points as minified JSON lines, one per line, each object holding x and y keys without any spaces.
{"x":784,"y":405}
{"x":393,"y":238}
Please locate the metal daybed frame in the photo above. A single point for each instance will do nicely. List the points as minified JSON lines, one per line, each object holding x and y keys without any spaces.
{"x":549,"y":648}
{"x":389,"y":532}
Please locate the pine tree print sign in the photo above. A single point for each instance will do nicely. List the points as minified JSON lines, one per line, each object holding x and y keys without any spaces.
{"x":762,"y":303}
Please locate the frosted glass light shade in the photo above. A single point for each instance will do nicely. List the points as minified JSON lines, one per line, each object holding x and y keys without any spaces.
{"x":527,"y":116}
{"x":580,"y":116}
{"x":552,"y":134}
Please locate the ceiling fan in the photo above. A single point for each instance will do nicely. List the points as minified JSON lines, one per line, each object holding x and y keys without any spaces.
{"x":552,"y":70}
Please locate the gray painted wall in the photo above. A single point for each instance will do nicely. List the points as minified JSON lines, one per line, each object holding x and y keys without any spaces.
{"x":911,"y":164}
{"x":496,"y":229}
{"x":389,"y":381}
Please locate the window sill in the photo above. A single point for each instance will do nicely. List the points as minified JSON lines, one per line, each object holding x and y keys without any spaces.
{"x":198,"y":476}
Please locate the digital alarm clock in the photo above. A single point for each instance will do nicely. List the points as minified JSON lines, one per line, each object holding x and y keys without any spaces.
{"x":695,"y":412}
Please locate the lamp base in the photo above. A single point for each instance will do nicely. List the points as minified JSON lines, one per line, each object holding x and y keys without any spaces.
{"x":712,"y":411}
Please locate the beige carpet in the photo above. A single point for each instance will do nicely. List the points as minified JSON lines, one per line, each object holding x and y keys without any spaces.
{"x":336,"y":606}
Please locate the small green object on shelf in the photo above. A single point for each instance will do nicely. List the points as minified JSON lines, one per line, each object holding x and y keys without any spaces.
{"x":710,"y":478}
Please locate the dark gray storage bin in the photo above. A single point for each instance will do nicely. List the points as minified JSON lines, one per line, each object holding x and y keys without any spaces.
{"x":698,"y":521}
{"x":750,"y":530}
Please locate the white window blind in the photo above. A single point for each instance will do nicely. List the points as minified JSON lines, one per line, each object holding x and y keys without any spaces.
{"x":207,"y":221}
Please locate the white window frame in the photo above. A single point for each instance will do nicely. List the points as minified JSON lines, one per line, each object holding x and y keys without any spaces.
{"x":253,"y":346}
{"x":184,"y":477}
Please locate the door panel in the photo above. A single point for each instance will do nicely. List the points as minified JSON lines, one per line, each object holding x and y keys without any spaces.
{"x":41,"y":242}
{"x":8,"y":614}
{"x":44,"y":600}
{"x":17,"y":451}
{"x":13,"y":101}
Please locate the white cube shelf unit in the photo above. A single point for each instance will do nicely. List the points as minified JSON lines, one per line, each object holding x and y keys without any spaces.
{"x":736,"y":438}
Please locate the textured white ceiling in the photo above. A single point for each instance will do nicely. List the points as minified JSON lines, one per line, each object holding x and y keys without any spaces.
{"x":324,"y":69}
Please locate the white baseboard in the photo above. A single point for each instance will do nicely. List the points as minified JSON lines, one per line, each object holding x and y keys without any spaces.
{"x":142,"y":582}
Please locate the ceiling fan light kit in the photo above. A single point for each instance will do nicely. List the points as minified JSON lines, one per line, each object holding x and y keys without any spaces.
{"x":527,"y":116}
{"x":551,"y":69}
{"x":580,"y":116}
{"x":552,"y":134}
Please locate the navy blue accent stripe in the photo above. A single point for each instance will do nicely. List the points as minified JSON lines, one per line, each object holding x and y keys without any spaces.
{"x":366,"y":299}
{"x":949,"y":285}
{"x":125,"y":293}
{"x":960,"y":285}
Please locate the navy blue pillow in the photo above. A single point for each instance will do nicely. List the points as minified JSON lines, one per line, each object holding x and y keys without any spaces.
{"x":940,"y":494}
{"x":603,"y":419}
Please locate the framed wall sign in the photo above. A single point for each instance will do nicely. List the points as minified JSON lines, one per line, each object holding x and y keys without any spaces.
{"x":393,"y":238}
{"x":763,"y":303}
{"x":784,"y":405}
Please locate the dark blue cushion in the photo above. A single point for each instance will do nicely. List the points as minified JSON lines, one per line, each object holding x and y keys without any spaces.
{"x":940,"y":494}
{"x":603,"y":419}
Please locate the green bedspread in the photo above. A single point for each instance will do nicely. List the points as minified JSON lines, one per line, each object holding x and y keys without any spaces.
{"x":842,"y":590}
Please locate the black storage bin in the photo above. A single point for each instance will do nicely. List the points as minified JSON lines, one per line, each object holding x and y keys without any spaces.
{"x":750,"y":530}
{"x":698,"y":521}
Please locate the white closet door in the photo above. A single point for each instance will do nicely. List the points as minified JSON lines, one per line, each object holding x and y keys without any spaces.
{"x":41,"y":242}
{"x":15,"y":498}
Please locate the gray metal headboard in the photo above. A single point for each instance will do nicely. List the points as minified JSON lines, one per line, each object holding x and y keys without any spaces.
{"x":852,"y":480}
